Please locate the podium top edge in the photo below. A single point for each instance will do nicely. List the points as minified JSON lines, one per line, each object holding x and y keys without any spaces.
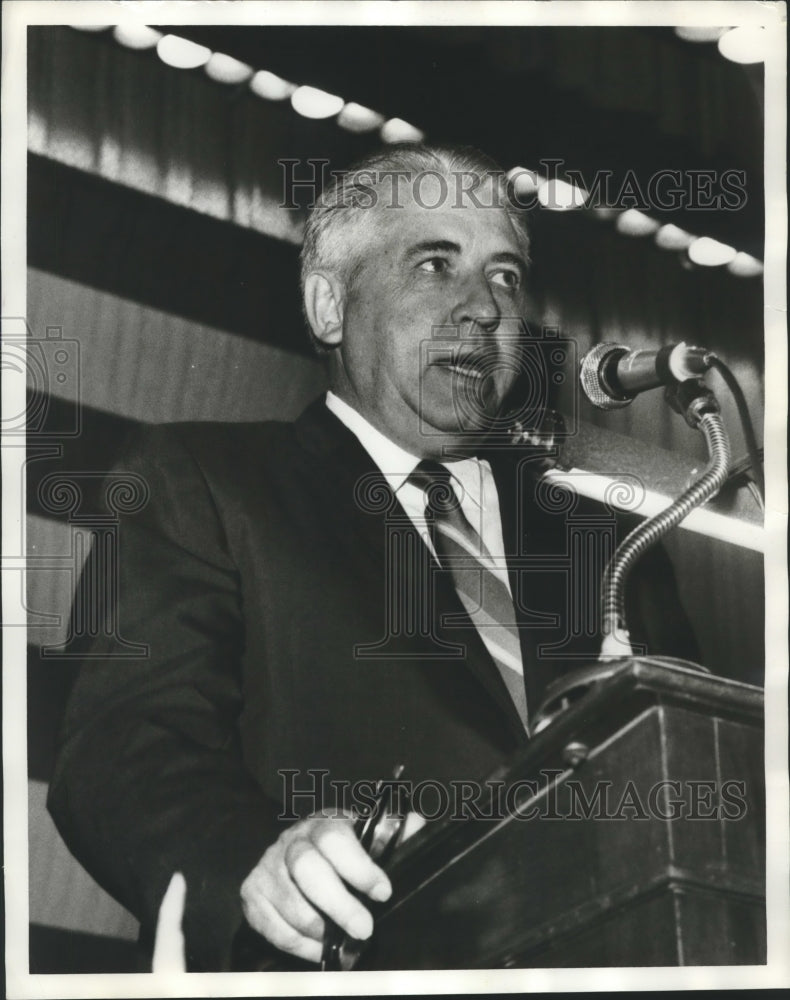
{"x":670,"y":678}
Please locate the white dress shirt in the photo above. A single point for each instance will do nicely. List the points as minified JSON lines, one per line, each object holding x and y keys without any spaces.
{"x":472,"y":480}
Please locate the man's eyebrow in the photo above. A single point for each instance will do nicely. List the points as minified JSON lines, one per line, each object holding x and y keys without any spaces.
{"x":448,"y":246}
{"x":433,"y":246}
{"x":506,"y":257}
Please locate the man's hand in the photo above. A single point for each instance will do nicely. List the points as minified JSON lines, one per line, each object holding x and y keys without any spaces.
{"x":305,"y":871}
{"x":169,"y":951}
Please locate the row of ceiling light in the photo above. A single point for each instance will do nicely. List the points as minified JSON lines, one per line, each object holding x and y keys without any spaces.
{"x":561,"y":196}
{"x":741,"y":45}
{"x":310,"y":102}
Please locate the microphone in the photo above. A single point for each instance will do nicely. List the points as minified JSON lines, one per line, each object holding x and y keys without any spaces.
{"x":612,"y":375}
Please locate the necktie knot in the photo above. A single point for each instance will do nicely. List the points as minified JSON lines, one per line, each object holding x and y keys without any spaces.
{"x":435,"y":481}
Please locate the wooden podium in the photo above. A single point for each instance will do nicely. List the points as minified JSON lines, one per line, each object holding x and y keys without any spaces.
{"x":633,"y":834}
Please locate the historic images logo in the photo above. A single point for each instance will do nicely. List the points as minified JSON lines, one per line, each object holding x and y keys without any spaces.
{"x":546,"y":798}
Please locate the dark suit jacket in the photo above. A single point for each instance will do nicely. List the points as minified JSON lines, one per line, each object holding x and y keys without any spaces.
{"x":254,"y":573}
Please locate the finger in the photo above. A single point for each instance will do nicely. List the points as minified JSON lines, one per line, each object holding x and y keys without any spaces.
{"x":169,"y":952}
{"x":321,"y":884}
{"x":289,"y":901}
{"x":270,"y":880}
{"x":414,"y":822}
{"x":339,"y":845}
{"x":264,"y":918}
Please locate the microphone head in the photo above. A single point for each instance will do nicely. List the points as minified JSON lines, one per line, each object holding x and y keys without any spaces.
{"x":593,"y":380}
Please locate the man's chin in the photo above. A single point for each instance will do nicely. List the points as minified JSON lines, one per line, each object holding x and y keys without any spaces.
{"x":459,"y":428}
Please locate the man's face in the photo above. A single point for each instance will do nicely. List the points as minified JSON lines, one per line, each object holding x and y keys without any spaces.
{"x":433,"y":323}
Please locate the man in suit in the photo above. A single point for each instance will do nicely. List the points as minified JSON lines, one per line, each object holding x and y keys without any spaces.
{"x":274,"y":566}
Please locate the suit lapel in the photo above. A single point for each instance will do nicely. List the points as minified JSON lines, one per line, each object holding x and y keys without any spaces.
{"x":516,"y":481}
{"x":349,"y":482}
{"x":542,"y":610}
{"x":367,"y":509}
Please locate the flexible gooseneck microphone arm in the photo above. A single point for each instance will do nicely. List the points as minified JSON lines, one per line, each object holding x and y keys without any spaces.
{"x":701,"y":409}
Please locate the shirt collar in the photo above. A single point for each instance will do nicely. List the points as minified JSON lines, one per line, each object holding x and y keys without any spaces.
{"x":395,"y":463}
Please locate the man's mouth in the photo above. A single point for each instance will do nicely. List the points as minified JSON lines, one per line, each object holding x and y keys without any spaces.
{"x":473,"y":364}
{"x":465,"y":370}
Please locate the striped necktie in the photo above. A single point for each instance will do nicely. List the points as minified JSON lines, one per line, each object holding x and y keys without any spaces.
{"x":461,"y":551}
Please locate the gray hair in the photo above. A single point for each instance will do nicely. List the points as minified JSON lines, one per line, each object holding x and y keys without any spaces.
{"x":334,"y":226}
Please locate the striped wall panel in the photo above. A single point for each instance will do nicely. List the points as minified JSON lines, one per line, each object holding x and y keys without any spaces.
{"x":54,"y":563}
{"x":144,"y":364}
{"x":129,"y":118}
{"x":148,"y":250}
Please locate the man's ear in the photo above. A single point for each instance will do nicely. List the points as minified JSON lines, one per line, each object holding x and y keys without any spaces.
{"x":324,"y":300}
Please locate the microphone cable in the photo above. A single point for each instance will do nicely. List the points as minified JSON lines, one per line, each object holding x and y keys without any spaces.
{"x":752,"y":447}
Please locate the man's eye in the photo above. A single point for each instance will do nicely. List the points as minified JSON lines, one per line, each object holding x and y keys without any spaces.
{"x":508,"y":279}
{"x":434,"y":265}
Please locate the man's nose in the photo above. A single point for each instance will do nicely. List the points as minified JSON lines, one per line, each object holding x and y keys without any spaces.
{"x":477,"y":307}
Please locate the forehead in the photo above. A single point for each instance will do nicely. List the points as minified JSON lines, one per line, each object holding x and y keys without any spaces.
{"x":484,"y":228}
